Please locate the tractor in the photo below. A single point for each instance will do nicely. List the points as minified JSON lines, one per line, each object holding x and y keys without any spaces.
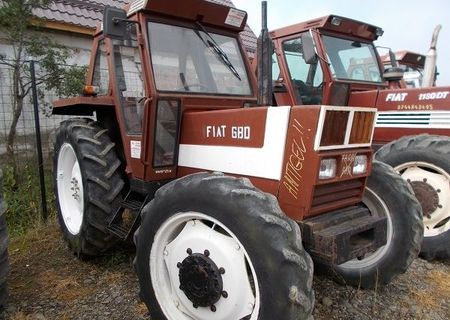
{"x":171,"y":146}
{"x":418,"y":70}
{"x":412,"y":65}
{"x":332,"y":61}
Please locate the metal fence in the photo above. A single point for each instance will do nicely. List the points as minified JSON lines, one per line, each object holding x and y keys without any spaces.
{"x":25,"y":139}
{"x":26,"y":149}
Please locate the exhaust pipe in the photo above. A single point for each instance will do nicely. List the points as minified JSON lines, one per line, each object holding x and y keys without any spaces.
{"x":429,"y":71}
{"x":264,"y":56}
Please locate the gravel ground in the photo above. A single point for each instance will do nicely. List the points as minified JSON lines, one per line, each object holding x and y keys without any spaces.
{"x":48,"y":282}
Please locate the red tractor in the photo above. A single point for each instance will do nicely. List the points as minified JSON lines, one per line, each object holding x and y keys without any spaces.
{"x":333,"y":61}
{"x":412,"y":65}
{"x":214,"y":185}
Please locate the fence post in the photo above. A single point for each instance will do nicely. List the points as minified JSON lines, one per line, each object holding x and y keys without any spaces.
{"x":37,"y":127}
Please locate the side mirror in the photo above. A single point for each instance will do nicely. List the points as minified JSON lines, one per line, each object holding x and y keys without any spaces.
{"x":393,"y":59}
{"x":393,"y":74}
{"x":279,"y":87}
{"x":309,"y":49}
{"x":114,"y":26}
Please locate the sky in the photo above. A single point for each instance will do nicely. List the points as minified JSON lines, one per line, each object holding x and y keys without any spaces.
{"x":407,"y":25}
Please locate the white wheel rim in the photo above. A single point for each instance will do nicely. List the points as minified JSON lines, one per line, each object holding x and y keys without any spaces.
{"x":438,"y":222}
{"x":188,"y":230}
{"x":70,"y":189}
{"x":378,"y":208}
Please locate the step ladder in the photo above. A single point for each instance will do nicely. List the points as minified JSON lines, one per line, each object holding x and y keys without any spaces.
{"x":127,"y":216}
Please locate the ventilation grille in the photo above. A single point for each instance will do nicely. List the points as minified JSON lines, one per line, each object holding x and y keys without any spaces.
{"x":344,"y":127}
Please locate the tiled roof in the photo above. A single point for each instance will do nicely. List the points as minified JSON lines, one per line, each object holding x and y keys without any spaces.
{"x":88,"y":13}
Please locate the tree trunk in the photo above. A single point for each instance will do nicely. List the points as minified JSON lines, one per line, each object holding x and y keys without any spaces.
{"x":17,"y":112}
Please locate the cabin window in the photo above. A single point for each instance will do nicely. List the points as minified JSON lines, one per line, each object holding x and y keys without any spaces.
{"x":352,"y":60}
{"x":166,"y":133}
{"x":130,"y":81}
{"x":101,"y":71}
{"x":306,"y":78}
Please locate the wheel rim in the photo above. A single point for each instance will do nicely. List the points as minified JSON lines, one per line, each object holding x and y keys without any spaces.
{"x":70,"y":189}
{"x":377,"y":208}
{"x":431,"y":185}
{"x":186,"y":236}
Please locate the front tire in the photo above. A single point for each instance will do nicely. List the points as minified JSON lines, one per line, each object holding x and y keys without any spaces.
{"x":387,"y":194}
{"x":88,"y":185}
{"x":214,"y":247}
{"x":424,"y":161}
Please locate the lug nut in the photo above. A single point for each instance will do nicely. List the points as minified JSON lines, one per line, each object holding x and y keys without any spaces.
{"x":425,"y":180}
{"x":189,"y":251}
{"x":213,"y":308}
{"x":206,"y":253}
{"x":225,"y":294}
{"x":195,"y":305}
{"x":179,"y":265}
{"x":222,"y":271}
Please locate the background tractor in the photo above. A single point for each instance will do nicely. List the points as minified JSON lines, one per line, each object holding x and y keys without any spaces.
{"x":418,"y":70}
{"x":213,"y":184}
{"x":333,"y":61}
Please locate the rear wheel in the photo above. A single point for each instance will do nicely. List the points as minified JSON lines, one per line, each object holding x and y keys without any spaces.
{"x":424,"y":162}
{"x":87,"y":184}
{"x":388,"y":195}
{"x":214,"y":247}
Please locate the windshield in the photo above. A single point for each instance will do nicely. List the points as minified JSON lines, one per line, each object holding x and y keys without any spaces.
{"x":352,"y":60}
{"x":187,"y":60}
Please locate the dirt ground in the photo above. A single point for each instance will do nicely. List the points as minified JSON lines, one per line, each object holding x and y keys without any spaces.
{"x":48,"y":282}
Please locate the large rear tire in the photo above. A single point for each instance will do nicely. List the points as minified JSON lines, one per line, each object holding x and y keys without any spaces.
{"x":88,"y":185}
{"x":424,"y":161}
{"x":387,"y":194}
{"x":4,"y":258}
{"x":214,"y":247}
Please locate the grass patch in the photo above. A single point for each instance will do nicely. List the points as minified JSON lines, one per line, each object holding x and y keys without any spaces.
{"x":438,"y":290}
{"x":22,"y":195}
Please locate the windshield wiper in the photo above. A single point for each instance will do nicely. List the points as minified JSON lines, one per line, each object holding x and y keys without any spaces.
{"x":217,"y":50}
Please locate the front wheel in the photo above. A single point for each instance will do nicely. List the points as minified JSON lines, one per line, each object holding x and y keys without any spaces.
{"x":388,"y":195}
{"x":423,"y":161}
{"x":214,"y":247}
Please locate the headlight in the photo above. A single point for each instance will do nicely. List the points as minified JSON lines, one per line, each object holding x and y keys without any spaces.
{"x":360,"y":164}
{"x":327,"y":169}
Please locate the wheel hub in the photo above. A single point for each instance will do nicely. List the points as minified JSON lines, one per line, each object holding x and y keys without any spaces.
{"x":432,"y":189}
{"x":427,"y":196}
{"x":200,"y":280}
{"x":75,"y":188}
{"x":191,"y":270}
